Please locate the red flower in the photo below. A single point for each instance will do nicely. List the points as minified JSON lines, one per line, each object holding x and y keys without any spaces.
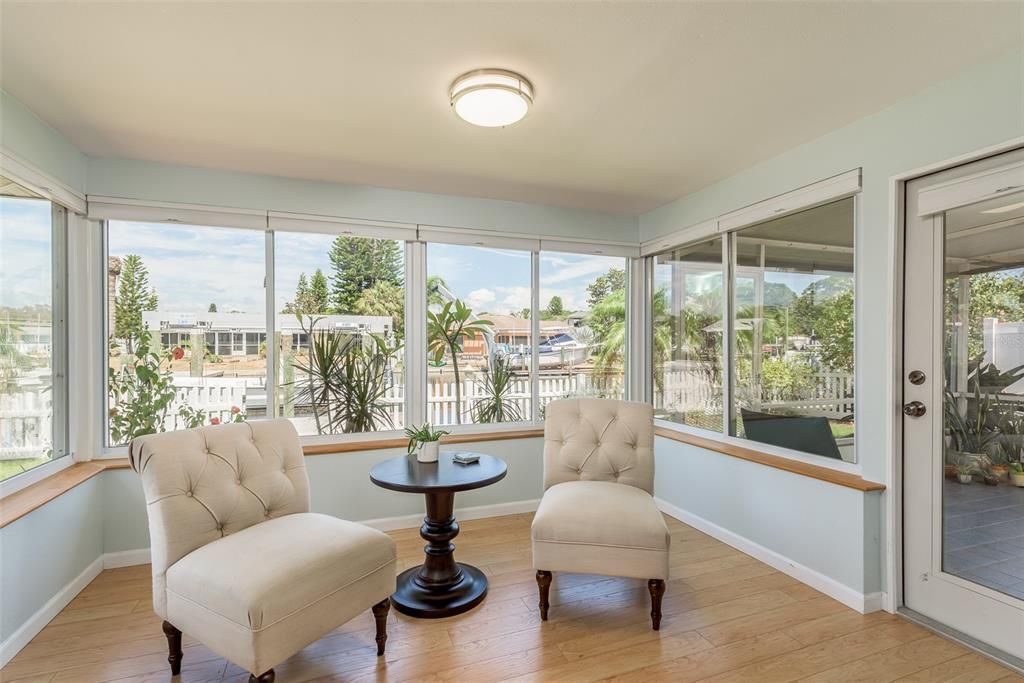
{"x":178,"y":353}
{"x":235,"y":410}
{"x":215,"y":420}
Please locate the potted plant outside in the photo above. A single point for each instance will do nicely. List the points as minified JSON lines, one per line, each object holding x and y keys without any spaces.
{"x":1017,"y":474}
{"x":424,"y":441}
{"x":965,"y":472}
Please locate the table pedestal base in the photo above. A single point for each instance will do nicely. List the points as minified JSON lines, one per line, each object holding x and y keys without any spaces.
{"x":417,"y":600}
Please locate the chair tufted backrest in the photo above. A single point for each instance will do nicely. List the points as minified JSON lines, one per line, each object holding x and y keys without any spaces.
{"x":593,"y":439}
{"x":203,"y":484}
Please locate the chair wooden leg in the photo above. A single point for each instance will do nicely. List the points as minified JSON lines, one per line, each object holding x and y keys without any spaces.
{"x":380,"y":615}
{"x":544,"y":584}
{"x":657,"y":589}
{"x":267,"y":677}
{"x":173,"y":647}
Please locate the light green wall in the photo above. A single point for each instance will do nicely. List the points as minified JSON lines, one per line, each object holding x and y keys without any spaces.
{"x":34,"y":141}
{"x":47,"y":549}
{"x":981,"y":107}
{"x":340,"y":486}
{"x":164,"y":182}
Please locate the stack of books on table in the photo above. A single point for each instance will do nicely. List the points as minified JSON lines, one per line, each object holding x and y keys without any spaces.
{"x":465,"y":458}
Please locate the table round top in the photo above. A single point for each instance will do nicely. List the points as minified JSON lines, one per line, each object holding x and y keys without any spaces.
{"x":405,"y":473}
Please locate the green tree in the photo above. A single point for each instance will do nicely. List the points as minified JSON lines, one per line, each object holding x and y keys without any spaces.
{"x":311,"y":296}
{"x":357,"y":264}
{"x":835,"y":332}
{"x":319,"y":293}
{"x":608,"y":321}
{"x":434,"y":285}
{"x":384,"y":298}
{"x":134,"y":295}
{"x":212,"y":308}
{"x":446,"y":331}
{"x":555,"y":309}
{"x":612,"y":281}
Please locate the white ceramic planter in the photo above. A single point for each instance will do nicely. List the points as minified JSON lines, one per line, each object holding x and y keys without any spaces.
{"x":964,"y":478}
{"x":1017,"y":479}
{"x":428,"y":451}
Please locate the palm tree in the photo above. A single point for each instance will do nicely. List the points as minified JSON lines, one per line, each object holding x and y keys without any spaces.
{"x":608,"y":321}
{"x":446,"y":330}
{"x":496,"y":404}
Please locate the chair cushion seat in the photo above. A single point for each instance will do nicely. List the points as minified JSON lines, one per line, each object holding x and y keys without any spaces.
{"x":264,"y":573}
{"x":600,"y":527}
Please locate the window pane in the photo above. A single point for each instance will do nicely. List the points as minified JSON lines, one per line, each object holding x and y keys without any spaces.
{"x":340,"y":321}
{"x":687,"y":342}
{"x":181,"y":302}
{"x":476,"y":295}
{"x":582,"y":326}
{"x":794,"y":331}
{"x":26,"y":335}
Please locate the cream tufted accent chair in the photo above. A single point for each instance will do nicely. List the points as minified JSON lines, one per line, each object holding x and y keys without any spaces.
{"x":239,"y":562}
{"x":598,"y":514}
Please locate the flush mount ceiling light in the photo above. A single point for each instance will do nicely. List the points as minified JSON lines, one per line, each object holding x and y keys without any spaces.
{"x":491,"y":97}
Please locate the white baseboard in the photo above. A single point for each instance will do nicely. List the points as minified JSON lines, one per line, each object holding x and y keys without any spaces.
{"x":863,"y":603}
{"x":27,"y":631}
{"x":476,"y":512}
{"x":126,"y":558}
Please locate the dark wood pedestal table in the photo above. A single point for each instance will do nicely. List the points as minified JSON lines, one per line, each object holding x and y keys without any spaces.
{"x":440,"y":587}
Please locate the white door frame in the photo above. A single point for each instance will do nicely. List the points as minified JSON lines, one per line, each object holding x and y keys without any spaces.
{"x":893,"y":599}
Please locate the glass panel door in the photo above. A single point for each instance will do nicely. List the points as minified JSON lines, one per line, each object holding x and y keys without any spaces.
{"x":963,"y":406}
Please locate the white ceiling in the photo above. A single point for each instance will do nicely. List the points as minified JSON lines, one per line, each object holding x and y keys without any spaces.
{"x":636,"y":103}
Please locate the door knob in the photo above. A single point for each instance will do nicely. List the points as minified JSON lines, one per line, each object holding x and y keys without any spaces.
{"x":914,"y":409}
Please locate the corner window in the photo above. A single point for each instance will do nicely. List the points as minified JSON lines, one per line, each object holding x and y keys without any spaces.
{"x":582,"y":326}
{"x":186,"y":327}
{"x":790,"y":360}
{"x":686,"y":310}
{"x":33,"y":414}
{"x":479,"y":339}
{"x":793,"y":331}
{"x":339,"y":333}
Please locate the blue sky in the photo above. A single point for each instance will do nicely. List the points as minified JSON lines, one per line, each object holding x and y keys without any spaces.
{"x":25,"y":252}
{"x":192,"y":267}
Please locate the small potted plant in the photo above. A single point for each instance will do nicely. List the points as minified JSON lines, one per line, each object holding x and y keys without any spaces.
{"x":424,"y":441}
{"x":1017,"y":473}
{"x":965,"y":472}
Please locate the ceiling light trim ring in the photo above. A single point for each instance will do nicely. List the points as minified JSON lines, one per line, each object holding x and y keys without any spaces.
{"x":491,"y":80}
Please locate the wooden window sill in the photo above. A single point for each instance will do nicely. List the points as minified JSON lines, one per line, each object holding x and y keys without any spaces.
{"x":826,"y":474}
{"x":20,"y":503}
{"x":401,"y":442}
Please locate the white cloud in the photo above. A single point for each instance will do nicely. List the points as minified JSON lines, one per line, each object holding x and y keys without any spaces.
{"x":562,"y":268}
{"x":480,"y":299}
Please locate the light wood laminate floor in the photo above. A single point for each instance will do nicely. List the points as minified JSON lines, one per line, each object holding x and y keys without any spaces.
{"x":727,"y":618}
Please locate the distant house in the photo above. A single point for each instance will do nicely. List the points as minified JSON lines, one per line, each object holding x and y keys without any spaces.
{"x":241,"y":334}
{"x":515,"y":332}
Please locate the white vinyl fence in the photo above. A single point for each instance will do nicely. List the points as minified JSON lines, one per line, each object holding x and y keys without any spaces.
{"x":827,"y":394}
{"x":26,"y":424}
{"x":26,"y":416}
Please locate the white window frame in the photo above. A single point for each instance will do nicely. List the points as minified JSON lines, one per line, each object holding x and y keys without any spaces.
{"x":415,"y":237}
{"x":835,"y":188}
{"x":63,"y":455}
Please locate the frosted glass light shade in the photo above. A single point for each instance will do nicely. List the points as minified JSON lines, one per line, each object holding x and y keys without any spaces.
{"x":491,"y":97}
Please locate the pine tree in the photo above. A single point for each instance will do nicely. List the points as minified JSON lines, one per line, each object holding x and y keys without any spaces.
{"x":134,"y":295}
{"x":319,"y":294}
{"x":357,"y":264}
{"x":212,"y":308}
